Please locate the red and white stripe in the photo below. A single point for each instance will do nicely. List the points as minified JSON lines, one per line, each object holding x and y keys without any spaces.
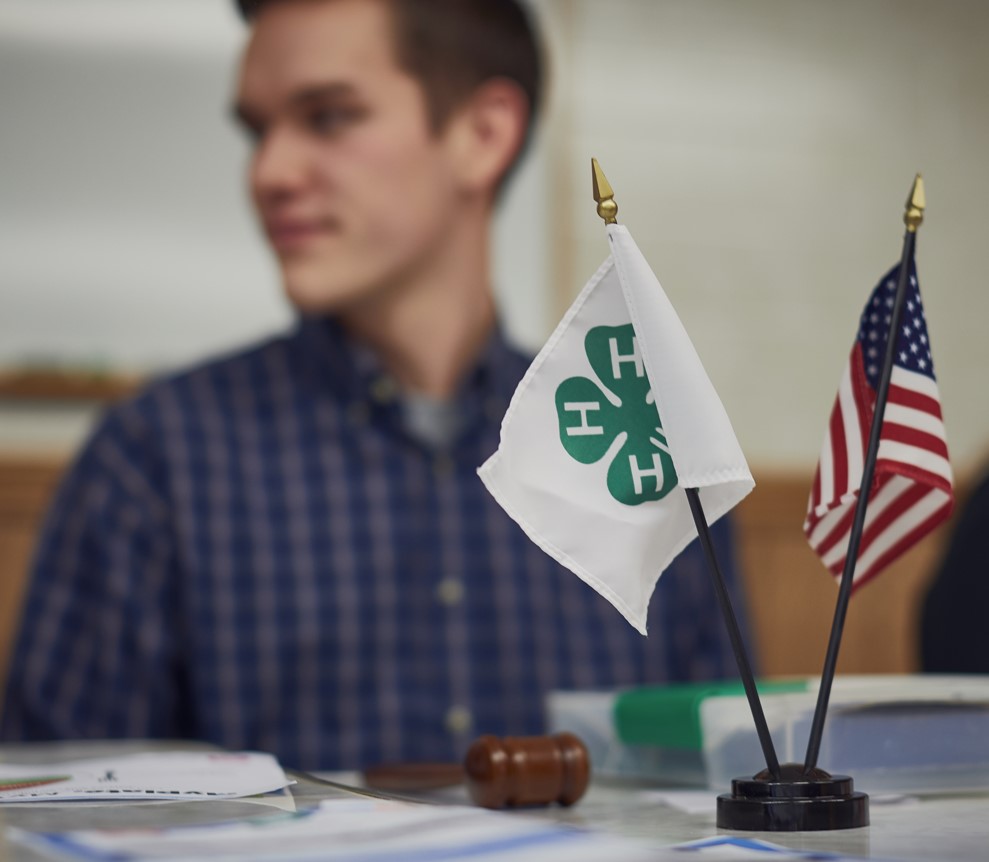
{"x":912,"y":489}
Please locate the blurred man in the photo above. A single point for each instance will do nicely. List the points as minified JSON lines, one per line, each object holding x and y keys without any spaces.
{"x":289,"y":549}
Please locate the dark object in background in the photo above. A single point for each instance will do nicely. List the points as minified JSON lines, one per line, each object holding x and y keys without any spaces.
{"x":954,"y":627}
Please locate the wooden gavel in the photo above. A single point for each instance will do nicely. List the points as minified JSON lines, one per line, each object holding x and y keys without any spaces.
{"x":501,"y":773}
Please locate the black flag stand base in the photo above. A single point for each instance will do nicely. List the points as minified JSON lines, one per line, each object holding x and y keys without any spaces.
{"x":787,"y":798}
{"x":797,"y":801}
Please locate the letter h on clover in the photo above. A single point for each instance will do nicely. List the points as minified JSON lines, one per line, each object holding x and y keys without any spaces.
{"x":642,"y":469}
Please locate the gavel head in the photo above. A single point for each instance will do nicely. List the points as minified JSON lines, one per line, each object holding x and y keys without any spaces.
{"x":527,"y":770}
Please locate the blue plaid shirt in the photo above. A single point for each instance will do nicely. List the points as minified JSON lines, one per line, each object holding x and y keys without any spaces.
{"x":256,"y":554}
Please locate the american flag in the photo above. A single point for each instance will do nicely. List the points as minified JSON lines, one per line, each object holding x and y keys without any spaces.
{"x":911,"y":491}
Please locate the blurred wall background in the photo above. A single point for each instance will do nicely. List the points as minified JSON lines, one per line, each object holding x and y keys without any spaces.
{"x":761,"y":151}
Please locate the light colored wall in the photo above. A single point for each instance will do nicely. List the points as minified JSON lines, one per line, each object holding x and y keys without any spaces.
{"x":761,"y":152}
{"x":126,"y":238}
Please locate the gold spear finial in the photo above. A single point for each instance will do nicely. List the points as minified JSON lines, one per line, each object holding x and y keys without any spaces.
{"x":603,"y":194}
{"x":914,"y":215}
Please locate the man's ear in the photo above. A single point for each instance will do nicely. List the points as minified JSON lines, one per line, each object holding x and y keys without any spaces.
{"x":486,"y":133}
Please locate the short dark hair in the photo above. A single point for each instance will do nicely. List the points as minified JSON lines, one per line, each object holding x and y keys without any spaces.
{"x":453,"y":46}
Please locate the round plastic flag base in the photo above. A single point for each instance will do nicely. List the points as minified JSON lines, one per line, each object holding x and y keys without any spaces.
{"x":798,"y":802}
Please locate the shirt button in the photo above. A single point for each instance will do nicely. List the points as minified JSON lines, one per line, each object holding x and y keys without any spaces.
{"x":458,"y":719}
{"x":383,"y":389}
{"x":358,"y":413}
{"x":442,"y":466}
{"x":450,"y":592}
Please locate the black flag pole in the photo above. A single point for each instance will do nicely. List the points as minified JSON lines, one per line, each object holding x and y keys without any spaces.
{"x":913,"y":217}
{"x":607,"y":209}
{"x":737,"y":645}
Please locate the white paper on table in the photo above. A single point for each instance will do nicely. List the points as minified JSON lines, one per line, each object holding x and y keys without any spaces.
{"x":150,"y":775}
{"x":688,"y":801}
{"x":355,"y":830}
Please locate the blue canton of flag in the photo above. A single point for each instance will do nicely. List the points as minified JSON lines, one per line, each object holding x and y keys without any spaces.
{"x":911,"y":492}
{"x":913,"y":347}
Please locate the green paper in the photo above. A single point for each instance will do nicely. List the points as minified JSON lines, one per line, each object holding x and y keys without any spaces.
{"x":668,"y":716}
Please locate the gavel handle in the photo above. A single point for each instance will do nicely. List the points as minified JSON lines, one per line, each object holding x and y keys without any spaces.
{"x":413,"y":777}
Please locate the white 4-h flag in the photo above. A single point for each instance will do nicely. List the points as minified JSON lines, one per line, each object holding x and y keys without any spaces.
{"x":614,"y":416}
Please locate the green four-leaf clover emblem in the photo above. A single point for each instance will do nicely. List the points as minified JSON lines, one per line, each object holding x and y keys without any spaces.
{"x":590,"y":421}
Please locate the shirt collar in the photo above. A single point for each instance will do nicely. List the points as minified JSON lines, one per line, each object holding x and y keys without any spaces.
{"x":349,"y":369}
{"x":336,"y":362}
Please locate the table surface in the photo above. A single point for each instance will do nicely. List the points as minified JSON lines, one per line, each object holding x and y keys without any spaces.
{"x":944,"y":827}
